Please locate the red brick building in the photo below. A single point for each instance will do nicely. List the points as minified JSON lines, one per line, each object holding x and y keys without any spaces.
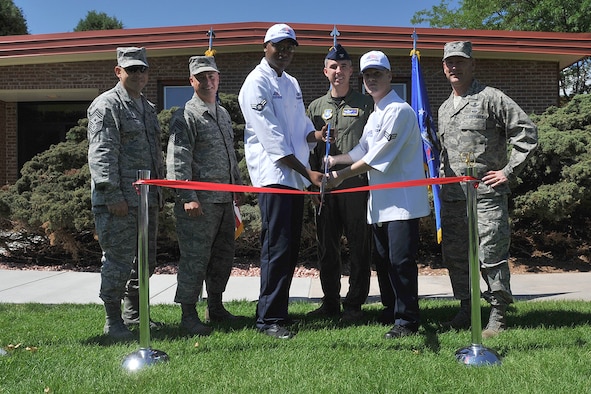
{"x":48,"y":80}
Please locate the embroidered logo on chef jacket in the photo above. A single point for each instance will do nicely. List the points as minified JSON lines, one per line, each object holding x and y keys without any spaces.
{"x":259,"y":106}
{"x":350,"y":111}
{"x":327,"y":114}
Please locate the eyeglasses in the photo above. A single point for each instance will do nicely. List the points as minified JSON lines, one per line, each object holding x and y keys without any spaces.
{"x":135,"y":69}
{"x":290,"y":48}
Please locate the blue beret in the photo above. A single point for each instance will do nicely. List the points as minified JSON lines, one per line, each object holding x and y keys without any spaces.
{"x":338,"y":53}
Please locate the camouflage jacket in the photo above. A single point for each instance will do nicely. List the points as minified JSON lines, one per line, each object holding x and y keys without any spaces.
{"x":484,"y":124}
{"x":201,"y":148}
{"x":121,"y":141}
{"x":347,"y":117}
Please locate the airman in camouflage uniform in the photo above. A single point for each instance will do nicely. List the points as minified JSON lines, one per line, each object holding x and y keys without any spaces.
{"x":201,"y":148}
{"x":346,"y":111}
{"x":123,"y":137}
{"x":477,"y":123}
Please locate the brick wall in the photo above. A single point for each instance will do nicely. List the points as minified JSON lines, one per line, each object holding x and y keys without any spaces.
{"x":8,"y":143}
{"x":533,"y":85}
{"x":3,"y":145}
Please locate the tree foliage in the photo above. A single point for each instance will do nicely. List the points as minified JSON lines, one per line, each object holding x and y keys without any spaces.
{"x":556,"y":183}
{"x":98,"y":21}
{"x":567,"y":16}
{"x":12,"y":21}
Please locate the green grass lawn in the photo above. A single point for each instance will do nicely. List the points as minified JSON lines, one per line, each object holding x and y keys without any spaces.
{"x":61,"y":349}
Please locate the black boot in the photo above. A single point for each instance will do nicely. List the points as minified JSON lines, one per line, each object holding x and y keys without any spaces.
{"x":114,"y":326}
{"x":190,"y":321}
{"x":462,"y":320}
{"x":215,"y":311}
{"x":131,"y":312}
{"x":496,"y":321}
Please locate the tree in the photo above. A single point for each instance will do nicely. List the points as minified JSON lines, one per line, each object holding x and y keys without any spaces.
{"x":12,"y":21}
{"x":98,"y":21}
{"x":567,"y":16}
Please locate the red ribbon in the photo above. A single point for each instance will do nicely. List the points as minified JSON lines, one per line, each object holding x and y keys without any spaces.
{"x":223,"y":187}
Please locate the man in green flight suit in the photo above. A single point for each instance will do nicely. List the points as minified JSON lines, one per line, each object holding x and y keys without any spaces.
{"x":346,"y":111}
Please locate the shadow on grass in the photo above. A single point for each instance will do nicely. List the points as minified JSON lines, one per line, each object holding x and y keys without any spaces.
{"x":522,"y":315}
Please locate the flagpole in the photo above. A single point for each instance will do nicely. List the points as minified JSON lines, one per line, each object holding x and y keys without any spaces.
{"x":420,"y":103}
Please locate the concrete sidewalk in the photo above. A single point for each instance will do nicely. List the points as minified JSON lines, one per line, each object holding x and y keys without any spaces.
{"x":55,"y":287}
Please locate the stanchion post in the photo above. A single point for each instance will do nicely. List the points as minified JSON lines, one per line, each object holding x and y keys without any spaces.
{"x":142,"y":256}
{"x":145,"y":356}
{"x":475,"y":354}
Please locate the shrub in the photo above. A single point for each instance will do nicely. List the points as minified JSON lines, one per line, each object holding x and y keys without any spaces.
{"x":47,"y":211}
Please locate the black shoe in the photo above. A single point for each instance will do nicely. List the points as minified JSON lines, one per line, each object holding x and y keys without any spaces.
{"x":325,"y":311}
{"x":277,"y":331}
{"x":399,"y":332}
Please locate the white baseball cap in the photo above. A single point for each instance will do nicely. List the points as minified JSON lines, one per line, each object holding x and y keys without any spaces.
{"x":280,"y":32}
{"x":374,"y":59}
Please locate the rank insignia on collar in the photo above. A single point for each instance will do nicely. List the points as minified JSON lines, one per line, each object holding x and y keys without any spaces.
{"x":259,"y":106}
{"x":350,"y":111}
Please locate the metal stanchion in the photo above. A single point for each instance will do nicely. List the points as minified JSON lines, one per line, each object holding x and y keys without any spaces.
{"x":475,"y":354}
{"x":145,"y":356}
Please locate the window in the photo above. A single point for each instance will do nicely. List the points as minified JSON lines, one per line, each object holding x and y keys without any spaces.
{"x":42,"y":124}
{"x":400,"y":86}
{"x":174,"y":93}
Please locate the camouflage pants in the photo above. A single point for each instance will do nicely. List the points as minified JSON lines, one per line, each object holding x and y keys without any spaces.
{"x":493,"y":250}
{"x":118,"y":240}
{"x":207,"y":249}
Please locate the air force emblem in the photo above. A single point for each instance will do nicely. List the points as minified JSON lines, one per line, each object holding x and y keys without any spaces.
{"x":327,"y":114}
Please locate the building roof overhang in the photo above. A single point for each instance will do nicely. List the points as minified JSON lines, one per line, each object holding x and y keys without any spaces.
{"x":562,"y":48}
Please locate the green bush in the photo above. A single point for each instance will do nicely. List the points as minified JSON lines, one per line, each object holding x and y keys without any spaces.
{"x":47,"y":211}
{"x":554,"y":186}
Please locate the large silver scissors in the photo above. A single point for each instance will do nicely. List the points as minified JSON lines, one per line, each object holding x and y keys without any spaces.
{"x":323,"y":183}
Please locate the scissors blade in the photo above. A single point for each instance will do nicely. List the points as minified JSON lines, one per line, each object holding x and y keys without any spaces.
{"x":323,"y":183}
{"x":322,"y":192}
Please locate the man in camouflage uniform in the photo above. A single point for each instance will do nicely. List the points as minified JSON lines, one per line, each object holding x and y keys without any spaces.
{"x":476,"y":123}
{"x":123,"y":137}
{"x":346,"y":110}
{"x":201,"y":148}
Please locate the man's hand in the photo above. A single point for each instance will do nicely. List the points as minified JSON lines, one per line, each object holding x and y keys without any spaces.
{"x":119,"y":208}
{"x":333,"y":180}
{"x":333,"y":134}
{"x":193,"y":209}
{"x":315,"y":177}
{"x":239,"y":198}
{"x":331,"y":161}
{"x":494,"y":178}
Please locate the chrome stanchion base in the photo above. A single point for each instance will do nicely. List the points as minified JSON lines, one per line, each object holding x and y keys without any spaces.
{"x":477,"y":355}
{"x":143,"y":358}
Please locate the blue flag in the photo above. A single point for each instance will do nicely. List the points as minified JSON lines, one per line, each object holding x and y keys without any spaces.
{"x":420,"y":103}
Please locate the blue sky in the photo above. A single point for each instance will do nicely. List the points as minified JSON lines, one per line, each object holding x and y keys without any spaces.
{"x":58,"y":16}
